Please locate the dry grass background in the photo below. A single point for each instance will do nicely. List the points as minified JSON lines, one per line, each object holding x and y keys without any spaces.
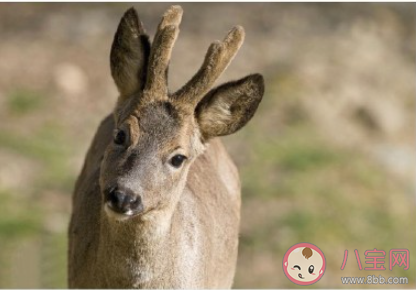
{"x":328,"y":159}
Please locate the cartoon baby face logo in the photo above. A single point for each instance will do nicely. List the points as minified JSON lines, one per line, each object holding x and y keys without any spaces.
{"x":304,"y":264}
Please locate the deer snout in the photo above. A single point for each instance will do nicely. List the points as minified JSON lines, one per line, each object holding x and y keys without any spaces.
{"x":123,"y":201}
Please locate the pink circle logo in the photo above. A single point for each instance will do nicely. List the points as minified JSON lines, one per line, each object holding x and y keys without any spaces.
{"x":304,"y":264}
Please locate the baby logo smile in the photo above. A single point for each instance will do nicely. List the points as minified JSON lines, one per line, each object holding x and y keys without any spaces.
{"x":304,"y":264}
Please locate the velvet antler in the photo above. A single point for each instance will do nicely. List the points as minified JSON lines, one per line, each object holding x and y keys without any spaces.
{"x":167,"y":32}
{"x":218,"y":57}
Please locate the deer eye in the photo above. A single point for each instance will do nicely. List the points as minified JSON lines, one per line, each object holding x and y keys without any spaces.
{"x":177,"y":160}
{"x":311,"y":268}
{"x":120,"y":137}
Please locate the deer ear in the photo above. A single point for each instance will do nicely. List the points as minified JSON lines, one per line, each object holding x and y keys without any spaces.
{"x":129,"y":54}
{"x":229,"y":107}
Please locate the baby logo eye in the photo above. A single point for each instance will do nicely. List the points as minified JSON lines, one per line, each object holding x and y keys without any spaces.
{"x":300,"y":263}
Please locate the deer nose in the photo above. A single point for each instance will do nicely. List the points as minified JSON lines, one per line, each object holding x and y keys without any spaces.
{"x":124,"y":201}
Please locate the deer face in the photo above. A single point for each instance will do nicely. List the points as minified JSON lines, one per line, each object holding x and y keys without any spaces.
{"x":158,"y":135}
{"x":145,"y":166}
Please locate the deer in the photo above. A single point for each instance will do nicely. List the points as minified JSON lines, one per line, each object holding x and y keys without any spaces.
{"x":157,"y":203}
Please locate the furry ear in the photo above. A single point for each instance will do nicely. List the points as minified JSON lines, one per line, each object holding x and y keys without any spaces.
{"x":229,"y":107}
{"x":129,"y":54}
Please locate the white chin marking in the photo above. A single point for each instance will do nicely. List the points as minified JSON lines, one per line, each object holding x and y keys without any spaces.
{"x":117,"y":216}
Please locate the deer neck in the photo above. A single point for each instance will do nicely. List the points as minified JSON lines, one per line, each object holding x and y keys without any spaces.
{"x":136,"y":252}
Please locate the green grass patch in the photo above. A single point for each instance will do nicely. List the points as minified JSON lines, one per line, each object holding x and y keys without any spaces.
{"x":49,"y":146}
{"x":23,"y":101}
{"x":18,"y":217}
{"x":338,"y":198}
{"x":54,"y":266}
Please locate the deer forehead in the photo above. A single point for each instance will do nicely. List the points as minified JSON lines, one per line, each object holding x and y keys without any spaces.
{"x":159,"y":124}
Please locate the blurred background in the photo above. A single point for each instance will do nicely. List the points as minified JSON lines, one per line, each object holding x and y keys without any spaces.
{"x":328,"y":159}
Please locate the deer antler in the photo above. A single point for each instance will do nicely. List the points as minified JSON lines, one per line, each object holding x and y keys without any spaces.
{"x":218,"y":57}
{"x":167,"y":32}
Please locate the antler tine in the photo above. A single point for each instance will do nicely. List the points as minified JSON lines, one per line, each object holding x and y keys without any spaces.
{"x":217,"y":59}
{"x":165,"y":38}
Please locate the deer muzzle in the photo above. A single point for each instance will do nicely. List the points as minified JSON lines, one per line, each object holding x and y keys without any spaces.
{"x":123,"y":201}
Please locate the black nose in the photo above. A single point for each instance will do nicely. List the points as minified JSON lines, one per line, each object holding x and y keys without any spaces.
{"x":124,"y":201}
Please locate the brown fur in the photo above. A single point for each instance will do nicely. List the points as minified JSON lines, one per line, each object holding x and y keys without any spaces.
{"x":187,"y":234}
{"x":129,"y":54}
